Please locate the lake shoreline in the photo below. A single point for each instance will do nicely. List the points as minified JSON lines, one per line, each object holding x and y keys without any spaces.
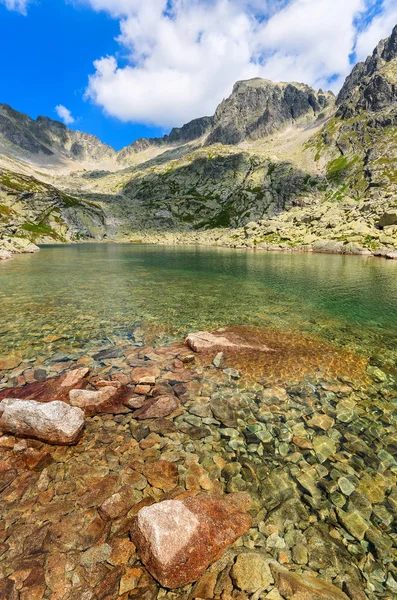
{"x":166,"y":240}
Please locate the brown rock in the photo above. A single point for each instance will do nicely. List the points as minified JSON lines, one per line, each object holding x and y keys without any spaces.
{"x":178,"y":539}
{"x":107,"y":400}
{"x":8,"y":590}
{"x":122,"y":550}
{"x":135,"y":402}
{"x":182,"y":376}
{"x":57,"y":388}
{"x":304,"y":587}
{"x":158,"y":407}
{"x":129,"y":580}
{"x":145,"y":375}
{"x":319,"y":421}
{"x":10,"y":362}
{"x":225,"y":338}
{"x":118,"y":505}
{"x":53,"y":422}
{"x":144,"y":390}
{"x":162,"y":474}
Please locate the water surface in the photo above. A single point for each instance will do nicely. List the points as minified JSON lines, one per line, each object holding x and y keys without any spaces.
{"x":99,"y":294}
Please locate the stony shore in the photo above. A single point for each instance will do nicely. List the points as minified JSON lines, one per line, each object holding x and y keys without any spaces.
{"x":307,"y":453}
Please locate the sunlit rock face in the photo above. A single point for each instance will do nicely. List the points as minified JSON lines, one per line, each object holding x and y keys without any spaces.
{"x":178,"y":539}
{"x":53,"y":422}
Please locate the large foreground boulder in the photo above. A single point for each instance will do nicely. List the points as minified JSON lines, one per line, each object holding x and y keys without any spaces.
{"x":178,"y":539}
{"x":52,"y":422}
{"x":227,"y":338}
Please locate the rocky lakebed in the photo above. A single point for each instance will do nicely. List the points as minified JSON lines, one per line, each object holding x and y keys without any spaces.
{"x":220,"y":467}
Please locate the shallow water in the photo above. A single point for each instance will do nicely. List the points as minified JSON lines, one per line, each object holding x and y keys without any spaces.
{"x":97,"y":294}
{"x":311,"y":436}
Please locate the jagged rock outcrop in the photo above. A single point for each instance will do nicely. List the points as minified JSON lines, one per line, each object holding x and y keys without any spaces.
{"x":255,"y":109}
{"x":33,"y":211}
{"x":191,"y":131}
{"x":194,"y":130}
{"x":225,"y":188}
{"x":258,"y":108}
{"x":372,"y":85}
{"x":19,"y":132}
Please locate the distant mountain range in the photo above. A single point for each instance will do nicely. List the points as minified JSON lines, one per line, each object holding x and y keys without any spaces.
{"x":277,"y":165}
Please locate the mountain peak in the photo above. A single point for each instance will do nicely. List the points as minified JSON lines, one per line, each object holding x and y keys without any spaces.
{"x":372,"y":84}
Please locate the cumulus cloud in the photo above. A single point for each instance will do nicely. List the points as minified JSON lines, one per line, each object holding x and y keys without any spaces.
{"x":18,"y":5}
{"x":179,"y":58}
{"x":378,"y":28}
{"x":64,"y":114}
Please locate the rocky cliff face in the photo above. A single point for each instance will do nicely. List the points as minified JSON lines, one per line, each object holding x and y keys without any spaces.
{"x":258,"y":108}
{"x":32,"y":211}
{"x":21,"y":134}
{"x":372,"y":85}
{"x":255,"y":109}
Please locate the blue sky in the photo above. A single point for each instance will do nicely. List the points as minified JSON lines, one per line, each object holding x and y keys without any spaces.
{"x":132,"y":68}
{"x":47,"y":56}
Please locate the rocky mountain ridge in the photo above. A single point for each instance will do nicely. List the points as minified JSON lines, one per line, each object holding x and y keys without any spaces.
{"x":278,"y":166}
{"x":21,"y":136}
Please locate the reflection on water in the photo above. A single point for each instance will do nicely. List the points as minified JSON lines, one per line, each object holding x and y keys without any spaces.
{"x":99,"y":294}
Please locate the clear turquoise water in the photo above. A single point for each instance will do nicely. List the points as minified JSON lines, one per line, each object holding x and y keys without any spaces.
{"x":98,"y":294}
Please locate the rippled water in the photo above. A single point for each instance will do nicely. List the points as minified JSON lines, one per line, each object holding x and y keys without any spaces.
{"x":100,"y":294}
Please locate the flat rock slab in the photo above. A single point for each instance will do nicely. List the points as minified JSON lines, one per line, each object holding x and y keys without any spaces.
{"x":178,"y":539}
{"x":106,"y":400}
{"x":222,"y":339}
{"x":53,"y":422}
{"x":145,"y":375}
{"x":158,"y":407}
{"x":56,"y":388}
{"x":293,"y":586}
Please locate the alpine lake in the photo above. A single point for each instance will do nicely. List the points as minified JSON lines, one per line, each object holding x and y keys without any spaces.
{"x":308,"y":430}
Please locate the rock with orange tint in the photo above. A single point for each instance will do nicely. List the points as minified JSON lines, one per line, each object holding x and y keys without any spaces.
{"x":162,"y":474}
{"x":56,"y":388}
{"x":178,"y":539}
{"x":107,"y":400}
{"x":158,"y":407}
{"x":52,"y":422}
{"x":225,"y":338}
{"x":145,"y":375}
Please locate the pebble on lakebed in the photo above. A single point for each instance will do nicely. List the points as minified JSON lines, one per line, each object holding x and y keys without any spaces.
{"x":275,"y":486}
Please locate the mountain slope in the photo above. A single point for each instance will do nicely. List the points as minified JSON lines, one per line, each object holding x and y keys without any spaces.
{"x":278,"y":166}
{"x":46,"y":140}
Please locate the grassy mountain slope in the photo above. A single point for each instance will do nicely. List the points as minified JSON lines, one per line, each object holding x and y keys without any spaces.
{"x":278,"y":166}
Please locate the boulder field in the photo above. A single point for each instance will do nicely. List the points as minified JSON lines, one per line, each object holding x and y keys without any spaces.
{"x":191,"y":481}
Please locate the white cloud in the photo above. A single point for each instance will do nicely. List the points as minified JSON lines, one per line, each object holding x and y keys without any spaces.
{"x":379,"y":28}
{"x":64,"y":114}
{"x":18,"y":5}
{"x":179,"y":58}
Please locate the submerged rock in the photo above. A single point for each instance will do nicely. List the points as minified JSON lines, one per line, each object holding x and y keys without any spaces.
{"x":158,"y":407}
{"x":53,"y":422}
{"x":178,"y":539}
{"x":304,"y":587}
{"x":56,"y":388}
{"x":225,"y":338}
{"x":108,"y":399}
{"x":251,"y":572}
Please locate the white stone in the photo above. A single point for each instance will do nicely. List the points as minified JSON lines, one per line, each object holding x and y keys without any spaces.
{"x":54,"y":422}
{"x":169,"y":526}
{"x":91,"y":398}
